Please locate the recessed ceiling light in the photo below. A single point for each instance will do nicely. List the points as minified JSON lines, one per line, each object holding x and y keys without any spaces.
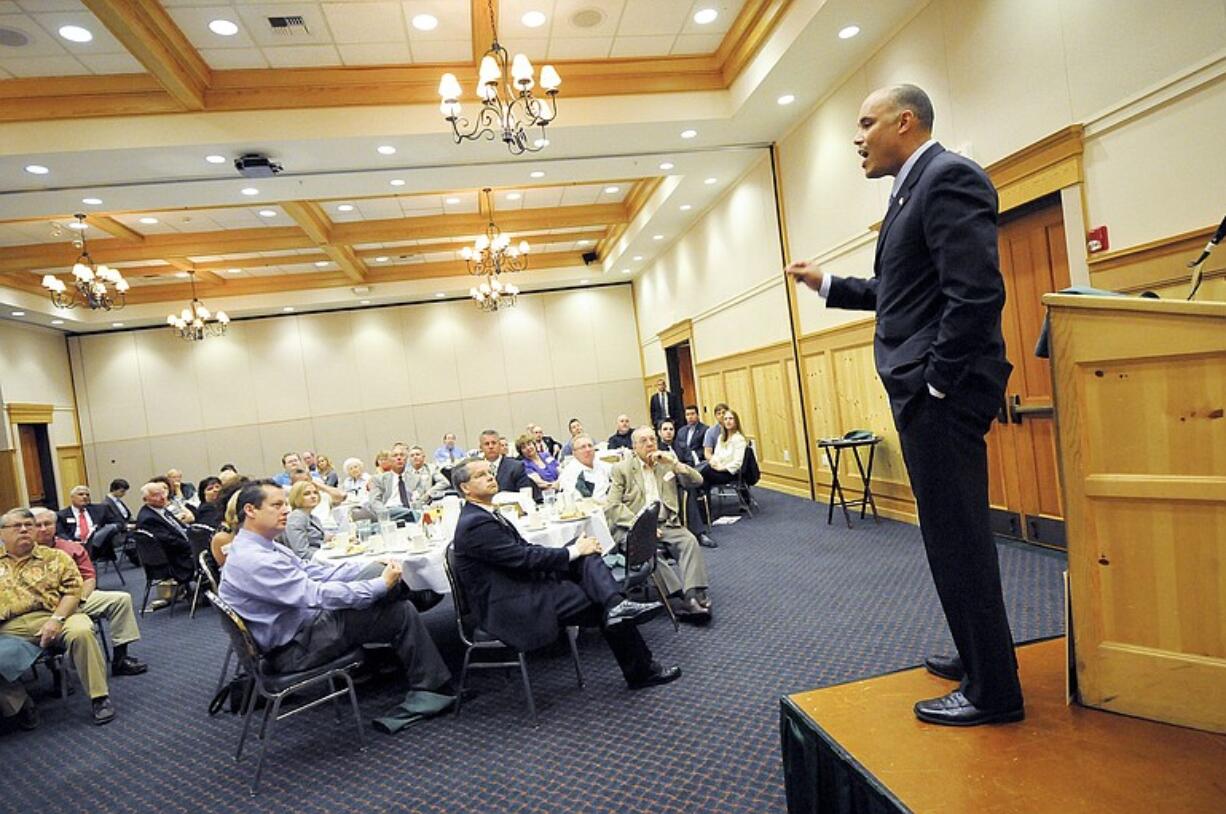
{"x":786,"y":99}
{"x":584,"y":282}
{"x":452,"y":201}
{"x":320,"y":263}
{"x":397,"y":182}
{"x":181,"y":274}
{"x":686,"y":207}
{"x":345,"y":208}
{"x":92,"y":201}
{"x":116,"y":324}
{"x":585,"y":242}
{"x":17,"y":314}
{"x":439,"y":294}
{"x":57,"y":322}
{"x":425,"y":22}
{"x":37,"y":169}
{"x":710,"y":181}
{"x":513,"y":196}
{"x":75,"y":33}
{"x":637,"y":257}
{"x":268,"y":213}
{"x":705,"y":15}
{"x":688,"y":133}
{"x":78,"y":225}
{"x":148,"y":221}
{"x":533,"y":19}
{"x":610,"y":190}
{"x":249,"y":191}
{"x":215,"y":159}
{"x":235,"y":271}
{"x":367,"y":302}
{"x":848,"y":32}
{"x":385,"y":149}
{"x":224,"y":28}
{"x":537,"y":174}
{"x":657,"y":237}
{"x":288,"y":309}
{"x":381,"y":258}
{"x":667,"y":165}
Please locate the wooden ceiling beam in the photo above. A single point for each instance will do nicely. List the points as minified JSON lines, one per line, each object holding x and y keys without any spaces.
{"x":458,"y":226}
{"x":150,"y":35}
{"x":114,"y":228}
{"x":456,"y":245}
{"x":482,"y":28}
{"x":311,"y":218}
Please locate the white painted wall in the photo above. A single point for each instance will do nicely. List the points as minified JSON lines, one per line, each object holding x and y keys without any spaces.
{"x":351,"y":383}
{"x":34,"y":369}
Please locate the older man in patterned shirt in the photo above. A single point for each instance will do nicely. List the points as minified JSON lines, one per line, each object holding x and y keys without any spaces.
{"x":40,"y":589}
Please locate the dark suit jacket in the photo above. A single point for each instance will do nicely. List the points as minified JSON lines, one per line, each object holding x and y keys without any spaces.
{"x":114,"y":504}
{"x":512,"y":477}
{"x":689,"y":441}
{"x":675,"y":411}
{"x":100,"y":515}
{"x":936,"y":288}
{"x":507,"y":580}
{"x":163,"y":530}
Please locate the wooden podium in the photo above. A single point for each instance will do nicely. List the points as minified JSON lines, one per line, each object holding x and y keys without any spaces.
{"x":1140,"y":394}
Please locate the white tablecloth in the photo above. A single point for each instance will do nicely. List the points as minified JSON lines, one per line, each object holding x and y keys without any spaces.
{"x":425,"y":570}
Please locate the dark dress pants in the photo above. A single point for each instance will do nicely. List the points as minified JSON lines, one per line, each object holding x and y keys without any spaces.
{"x":179,"y":558}
{"x":332,"y":633}
{"x":583,"y":596}
{"x":946,"y":456}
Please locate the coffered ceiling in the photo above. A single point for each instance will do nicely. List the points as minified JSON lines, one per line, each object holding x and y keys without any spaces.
{"x":376,"y":200}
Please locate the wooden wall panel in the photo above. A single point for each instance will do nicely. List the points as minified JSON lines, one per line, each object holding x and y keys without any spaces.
{"x":70,"y":461}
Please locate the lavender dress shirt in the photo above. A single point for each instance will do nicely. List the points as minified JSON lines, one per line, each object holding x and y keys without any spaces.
{"x":276,"y":592}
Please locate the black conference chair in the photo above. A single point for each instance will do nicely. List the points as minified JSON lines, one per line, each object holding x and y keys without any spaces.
{"x":476,"y":640}
{"x":107,"y":545}
{"x":156,"y":566}
{"x":199,"y":537}
{"x":275,"y":687}
{"x":642,"y":553}
{"x":738,"y":489}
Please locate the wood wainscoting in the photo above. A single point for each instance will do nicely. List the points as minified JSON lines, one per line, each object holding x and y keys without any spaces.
{"x":1161,"y":266}
{"x":759,"y":386}
{"x":844,"y":393}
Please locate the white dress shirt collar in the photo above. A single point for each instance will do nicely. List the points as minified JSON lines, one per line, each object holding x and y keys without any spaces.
{"x":905,"y":170}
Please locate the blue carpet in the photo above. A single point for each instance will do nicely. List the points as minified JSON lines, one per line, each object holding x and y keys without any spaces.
{"x":798,"y":605}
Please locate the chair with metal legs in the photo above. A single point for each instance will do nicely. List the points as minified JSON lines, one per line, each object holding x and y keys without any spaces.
{"x":642,"y":554}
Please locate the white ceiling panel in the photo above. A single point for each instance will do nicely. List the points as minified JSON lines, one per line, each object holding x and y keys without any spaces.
{"x":41,"y":43}
{"x":642,"y":46}
{"x":580,"y":48}
{"x":365,"y":22}
{"x":103,"y":42}
{"x":194,"y":21}
{"x":375,"y":53}
{"x":111,"y":63}
{"x":572,"y":18}
{"x":652,"y":17}
{"x":430,"y":51}
{"x":454,"y":20}
{"x":697,"y":44}
{"x":302,"y":56}
{"x":314,"y":30}
{"x":42,"y":66}
{"x":223,"y":59}
{"x":728,"y":10}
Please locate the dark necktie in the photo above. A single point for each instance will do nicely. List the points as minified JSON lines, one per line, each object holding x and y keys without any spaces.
{"x":404,"y":493}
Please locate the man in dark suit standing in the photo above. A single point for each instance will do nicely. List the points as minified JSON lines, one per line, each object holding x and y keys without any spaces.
{"x":525,"y":594}
{"x":688,"y":442}
{"x":938,"y":294}
{"x":508,"y":471}
{"x":664,"y":405}
{"x":93,"y":525}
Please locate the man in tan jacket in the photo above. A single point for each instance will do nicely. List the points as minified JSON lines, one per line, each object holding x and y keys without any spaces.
{"x":646,"y":476}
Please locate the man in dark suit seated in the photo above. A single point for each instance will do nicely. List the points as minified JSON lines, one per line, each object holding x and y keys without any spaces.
{"x":689,"y":438}
{"x":525,"y":594}
{"x":938,"y":294}
{"x":93,"y":525}
{"x":155,"y":518}
{"x":509,"y":472}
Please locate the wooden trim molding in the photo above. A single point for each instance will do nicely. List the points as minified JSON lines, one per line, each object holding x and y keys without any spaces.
{"x":26,"y":413}
{"x":774,"y":352}
{"x":1047,"y":166}
{"x":1156,"y":264}
{"x":676,"y":333}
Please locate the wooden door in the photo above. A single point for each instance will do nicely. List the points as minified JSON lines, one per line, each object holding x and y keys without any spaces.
{"x":1024,"y":485}
{"x":31,"y":464}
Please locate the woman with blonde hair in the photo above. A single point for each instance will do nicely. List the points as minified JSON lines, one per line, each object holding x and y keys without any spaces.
{"x":304,"y":533}
{"x":229,"y":525}
{"x":729,"y":454}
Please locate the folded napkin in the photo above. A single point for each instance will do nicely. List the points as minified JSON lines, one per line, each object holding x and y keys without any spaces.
{"x":416,"y":706}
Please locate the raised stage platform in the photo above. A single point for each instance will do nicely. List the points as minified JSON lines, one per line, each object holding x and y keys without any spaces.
{"x":857,"y":748}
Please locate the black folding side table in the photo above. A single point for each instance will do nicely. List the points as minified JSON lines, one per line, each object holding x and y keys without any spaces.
{"x":833,"y":447}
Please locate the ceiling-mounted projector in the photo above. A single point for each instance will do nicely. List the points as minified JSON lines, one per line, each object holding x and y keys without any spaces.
{"x":256,"y":165}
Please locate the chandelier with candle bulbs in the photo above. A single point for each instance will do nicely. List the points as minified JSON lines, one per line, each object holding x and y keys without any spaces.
{"x":94,"y":287}
{"x":509,"y":110}
{"x":491,"y":256}
{"x":195,"y":322}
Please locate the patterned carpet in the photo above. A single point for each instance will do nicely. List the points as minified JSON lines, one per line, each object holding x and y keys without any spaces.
{"x":798,"y":604}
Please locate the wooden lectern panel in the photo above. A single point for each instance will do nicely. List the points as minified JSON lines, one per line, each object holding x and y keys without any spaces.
{"x":1141,"y":394}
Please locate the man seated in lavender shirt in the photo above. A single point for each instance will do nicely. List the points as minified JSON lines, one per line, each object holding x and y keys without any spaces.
{"x":303,"y":613}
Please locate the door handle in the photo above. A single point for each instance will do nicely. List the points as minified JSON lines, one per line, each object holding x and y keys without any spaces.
{"x":1018,"y":411}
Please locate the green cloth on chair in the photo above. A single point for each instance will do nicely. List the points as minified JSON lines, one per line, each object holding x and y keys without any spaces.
{"x":416,"y":706}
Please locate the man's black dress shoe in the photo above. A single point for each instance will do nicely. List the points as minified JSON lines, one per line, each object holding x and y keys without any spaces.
{"x":956,"y":710}
{"x":949,"y":667}
{"x":628,"y":611}
{"x":27,"y":717}
{"x":659,"y":675}
{"x":103,"y":711}
{"x":128,"y":666}
{"x":705,"y":541}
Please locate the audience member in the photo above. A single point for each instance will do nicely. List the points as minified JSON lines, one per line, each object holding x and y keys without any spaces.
{"x":620,"y":439}
{"x":226,"y":468}
{"x":693,"y":517}
{"x":303,"y":614}
{"x":209,"y":512}
{"x":643,"y":478}
{"x":40,"y":594}
{"x":509,"y":472}
{"x":425,"y":483}
{"x":220,"y":544}
{"x":177,"y":507}
{"x":289,"y":462}
{"x":539,"y":464}
{"x":664,"y":404}
{"x":544,"y":443}
{"x":575,"y":427}
{"x":389,"y":491}
{"x":690,"y":436}
{"x":525,"y":594}
{"x":356,"y":484}
{"x":504,"y":447}
{"x":327,"y":472}
{"x":93,"y":525}
{"x":583,"y":474}
{"x":666,"y":433}
{"x":168,"y":530}
{"x":311,"y":463}
{"x":114,"y":499}
{"x":713,"y":432}
{"x":448,"y":453}
{"x":304,"y":533}
{"x":229,"y":477}
{"x":180,"y":492}
{"x":383,"y":462}
{"x":114,"y":606}
{"x":729,"y":453}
